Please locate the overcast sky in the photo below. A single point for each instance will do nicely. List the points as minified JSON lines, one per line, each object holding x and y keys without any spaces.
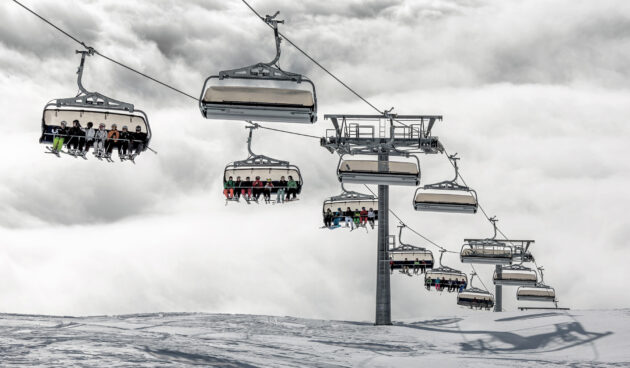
{"x":534,"y":96}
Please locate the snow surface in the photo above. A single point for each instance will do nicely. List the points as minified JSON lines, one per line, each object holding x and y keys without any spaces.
{"x":545,"y":338}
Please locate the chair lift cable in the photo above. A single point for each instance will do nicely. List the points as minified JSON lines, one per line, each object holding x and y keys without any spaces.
{"x":316,"y":62}
{"x":91,"y":49}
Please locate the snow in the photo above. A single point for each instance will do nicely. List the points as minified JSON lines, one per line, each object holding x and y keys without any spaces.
{"x":545,"y":338}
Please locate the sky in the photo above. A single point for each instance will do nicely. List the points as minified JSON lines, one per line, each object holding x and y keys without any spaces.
{"x":534,"y":96}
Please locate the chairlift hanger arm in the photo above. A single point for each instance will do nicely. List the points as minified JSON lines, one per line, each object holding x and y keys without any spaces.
{"x":89,"y":99}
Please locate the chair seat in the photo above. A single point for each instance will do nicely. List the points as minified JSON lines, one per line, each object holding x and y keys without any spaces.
{"x":446,"y":198}
{"x":258,"y":96}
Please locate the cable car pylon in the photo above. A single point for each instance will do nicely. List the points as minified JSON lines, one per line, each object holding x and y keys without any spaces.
{"x":376,"y":135}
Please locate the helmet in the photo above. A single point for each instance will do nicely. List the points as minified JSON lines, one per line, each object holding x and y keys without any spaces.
{"x":63,"y":123}
{"x":114,"y":126}
{"x":124,"y":127}
{"x":138,"y":128}
{"x":101,"y":125}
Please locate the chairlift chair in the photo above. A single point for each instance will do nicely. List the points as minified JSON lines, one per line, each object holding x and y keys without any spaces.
{"x":486,"y":251}
{"x":446,"y":276}
{"x":91,"y":107}
{"x":474,"y":297}
{"x":405,"y":256}
{"x":354,"y":200}
{"x":537,"y":293}
{"x":263,"y":166}
{"x":248,"y":102}
{"x":515,"y":275}
{"x":380,"y":173}
{"x":446,"y":196}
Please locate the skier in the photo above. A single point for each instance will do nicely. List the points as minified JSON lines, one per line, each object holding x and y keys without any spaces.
{"x":125,"y":138}
{"x":371,"y":217}
{"x":139,"y":137}
{"x":282,"y":184}
{"x":74,"y":135}
{"x":348,"y":218}
{"x":257,"y":188}
{"x":246,"y":188}
{"x":59,"y":135}
{"x":90,"y":133}
{"x":363,"y":216}
{"x":228,"y":188}
{"x":100,"y":136}
{"x":291,"y":188}
{"x":237,"y":187}
{"x":268,"y":189}
{"x":112,"y":138}
{"x":328,"y":218}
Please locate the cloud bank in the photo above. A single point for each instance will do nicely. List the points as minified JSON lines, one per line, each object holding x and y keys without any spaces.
{"x":534,"y":96}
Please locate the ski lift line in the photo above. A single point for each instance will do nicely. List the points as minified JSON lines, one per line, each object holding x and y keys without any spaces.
{"x":316,"y":62}
{"x":94,"y":51}
{"x":478,"y":204}
{"x":284,"y":131}
{"x":91,"y":50}
{"x":414,"y":231}
{"x":480,"y":280}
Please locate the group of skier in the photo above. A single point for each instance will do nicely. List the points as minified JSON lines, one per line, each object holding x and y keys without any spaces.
{"x":353,"y":219}
{"x":444,"y":284}
{"x":79,"y":140}
{"x":286,"y":190}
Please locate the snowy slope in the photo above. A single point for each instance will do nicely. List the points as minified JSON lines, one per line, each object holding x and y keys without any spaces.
{"x":473,"y":339}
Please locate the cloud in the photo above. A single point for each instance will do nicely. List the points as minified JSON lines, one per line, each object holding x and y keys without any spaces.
{"x":534,"y":100}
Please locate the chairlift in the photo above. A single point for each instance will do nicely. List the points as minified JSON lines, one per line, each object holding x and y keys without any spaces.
{"x":379,"y":172}
{"x":96,"y":108}
{"x":446,"y":196}
{"x":486,"y":251}
{"x":537,"y":293}
{"x":263,"y":167}
{"x":445,"y":278}
{"x":249,"y":102}
{"x":474,"y":297}
{"x":349,"y":199}
{"x":406,"y":257}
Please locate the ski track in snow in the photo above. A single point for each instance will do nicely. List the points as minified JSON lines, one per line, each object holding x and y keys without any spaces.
{"x":518,"y":339}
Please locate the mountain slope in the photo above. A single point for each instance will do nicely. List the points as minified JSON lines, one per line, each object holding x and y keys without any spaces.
{"x":473,"y":339}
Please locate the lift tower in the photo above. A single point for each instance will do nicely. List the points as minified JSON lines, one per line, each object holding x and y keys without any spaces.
{"x":382,"y":136}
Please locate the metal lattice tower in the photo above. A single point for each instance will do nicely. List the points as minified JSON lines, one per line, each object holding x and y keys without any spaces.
{"x":355,"y":135}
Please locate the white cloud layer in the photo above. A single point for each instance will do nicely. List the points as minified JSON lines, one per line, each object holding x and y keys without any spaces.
{"x":534,"y":96}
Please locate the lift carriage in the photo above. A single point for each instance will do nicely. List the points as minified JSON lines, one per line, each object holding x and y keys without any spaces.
{"x":251,"y":101}
{"x":537,"y":293}
{"x":375,"y":172}
{"x":350,"y":199}
{"x":96,"y":108}
{"x":445,"y":278}
{"x":474,"y":297}
{"x":517,"y":274}
{"x":487,"y":251}
{"x":446,"y":196}
{"x":263,"y":167}
{"x":407,"y":258}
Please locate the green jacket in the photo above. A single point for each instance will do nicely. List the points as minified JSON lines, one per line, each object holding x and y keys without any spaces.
{"x":292,"y":184}
{"x":228,"y":184}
